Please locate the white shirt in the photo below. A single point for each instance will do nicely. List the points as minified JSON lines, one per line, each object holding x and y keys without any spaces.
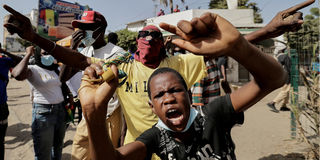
{"x":74,"y":83}
{"x":45,"y":86}
{"x":104,"y":52}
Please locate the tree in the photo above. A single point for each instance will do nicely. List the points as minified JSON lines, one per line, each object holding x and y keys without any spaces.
{"x":242,"y":4}
{"x":126,"y":38}
{"x":307,"y":38}
{"x":165,"y":3}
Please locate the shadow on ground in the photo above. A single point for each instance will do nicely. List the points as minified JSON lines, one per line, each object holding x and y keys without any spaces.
{"x":290,"y":156}
{"x":20,"y":133}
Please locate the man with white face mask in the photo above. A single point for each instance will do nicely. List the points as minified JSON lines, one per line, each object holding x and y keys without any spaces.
{"x":91,"y":33}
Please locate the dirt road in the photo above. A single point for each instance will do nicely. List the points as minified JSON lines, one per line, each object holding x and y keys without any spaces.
{"x":265,"y":135}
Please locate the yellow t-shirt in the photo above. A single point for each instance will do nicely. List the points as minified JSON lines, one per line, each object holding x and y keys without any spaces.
{"x":133,"y":95}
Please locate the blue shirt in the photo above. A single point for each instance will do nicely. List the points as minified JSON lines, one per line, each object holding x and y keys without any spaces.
{"x":5,"y":65}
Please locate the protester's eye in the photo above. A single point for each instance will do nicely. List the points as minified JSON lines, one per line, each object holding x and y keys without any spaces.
{"x":158,"y":95}
{"x":174,"y":90}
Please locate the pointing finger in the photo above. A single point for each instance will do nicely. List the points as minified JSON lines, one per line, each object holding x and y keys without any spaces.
{"x":18,"y":15}
{"x":299,"y":6}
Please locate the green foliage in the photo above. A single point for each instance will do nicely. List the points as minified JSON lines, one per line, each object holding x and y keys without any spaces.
{"x":305,"y":38}
{"x":126,"y":38}
{"x":307,"y":112}
{"x":315,"y":12}
{"x":218,"y":4}
{"x":242,"y":4}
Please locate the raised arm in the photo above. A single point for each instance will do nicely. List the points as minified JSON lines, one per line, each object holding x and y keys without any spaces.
{"x":94,"y":100}
{"x":288,"y":20}
{"x":21,"y":72}
{"x":212,"y":35}
{"x":20,"y":24}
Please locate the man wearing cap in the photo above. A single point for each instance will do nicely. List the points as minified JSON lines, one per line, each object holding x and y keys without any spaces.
{"x":91,"y":32}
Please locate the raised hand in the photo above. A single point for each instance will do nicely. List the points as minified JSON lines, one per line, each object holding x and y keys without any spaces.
{"x":208,"y":35}
{"x":287,"y":20}
{"x":94,"y":97}
{"x":30,"y":50}
{"x":77,"y":36}
{"x":18,"y":23}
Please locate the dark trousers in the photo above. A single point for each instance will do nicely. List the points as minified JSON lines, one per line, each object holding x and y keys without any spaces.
{"x":3,"y":130}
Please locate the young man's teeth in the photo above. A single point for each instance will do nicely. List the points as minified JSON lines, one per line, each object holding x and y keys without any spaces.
{"x":171,"y":110}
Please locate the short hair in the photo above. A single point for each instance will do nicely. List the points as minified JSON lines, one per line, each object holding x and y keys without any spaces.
{"x":113,"y":38}
{"x":166,"y":70}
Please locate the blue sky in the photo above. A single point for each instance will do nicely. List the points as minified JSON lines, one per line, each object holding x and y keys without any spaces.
{"x":120,"y":12}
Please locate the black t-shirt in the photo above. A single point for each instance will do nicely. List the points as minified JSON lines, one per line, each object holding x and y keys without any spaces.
{"x":211,"y":140}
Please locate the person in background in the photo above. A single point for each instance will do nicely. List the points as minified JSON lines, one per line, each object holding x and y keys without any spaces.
{"x":48,"y":114}
{"x":223,"y":65}
{"x":92,"y":27}
{"x":207,"y":89}
{"x":113,"y":38}
{"x":160,"y":13}
{"x":132,"y":50}
{"x":176,"y":9}
{"x":283,"y":95}
{"x":7,"y":61}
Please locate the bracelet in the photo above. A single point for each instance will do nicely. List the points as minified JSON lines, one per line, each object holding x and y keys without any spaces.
{"x":54,"y":47}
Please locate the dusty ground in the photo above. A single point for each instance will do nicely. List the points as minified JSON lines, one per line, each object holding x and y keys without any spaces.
{"x":265,"y":135}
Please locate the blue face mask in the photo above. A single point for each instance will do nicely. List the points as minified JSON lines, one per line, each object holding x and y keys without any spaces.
{"x":88,"y":40}
{"x":47,"y":60}
{"x":80,"y":49}
{"x":192,"y":117}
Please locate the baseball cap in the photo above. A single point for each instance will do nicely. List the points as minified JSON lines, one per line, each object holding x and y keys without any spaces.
{"x":90,"y":17}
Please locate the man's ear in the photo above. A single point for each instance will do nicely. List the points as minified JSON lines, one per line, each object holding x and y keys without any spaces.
{"x":151,"y":105}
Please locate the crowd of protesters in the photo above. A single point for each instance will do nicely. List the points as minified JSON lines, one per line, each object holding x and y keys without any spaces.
{"x":168,"y":104}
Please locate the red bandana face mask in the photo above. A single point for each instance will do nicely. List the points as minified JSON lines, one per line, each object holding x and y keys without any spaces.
{"x":148,"y":52}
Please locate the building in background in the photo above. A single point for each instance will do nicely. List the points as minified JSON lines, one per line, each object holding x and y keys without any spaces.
{"x":52,"y":20}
